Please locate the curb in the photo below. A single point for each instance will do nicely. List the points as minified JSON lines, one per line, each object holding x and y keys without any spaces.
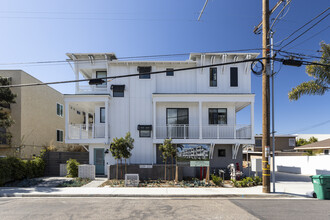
{"x":25,"y":195}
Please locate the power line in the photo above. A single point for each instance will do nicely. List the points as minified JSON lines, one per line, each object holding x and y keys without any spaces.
{"x":280,"y":42}
{"x":306,"y":31}
{"x":127,"y":58}
{"x":314,"y":35}
{"x":131,"y":75}
{"x":298,"y":54}
{"x":310,"y":127}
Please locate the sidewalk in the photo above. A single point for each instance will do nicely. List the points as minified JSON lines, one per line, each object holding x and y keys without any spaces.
{"x":284,"y":190}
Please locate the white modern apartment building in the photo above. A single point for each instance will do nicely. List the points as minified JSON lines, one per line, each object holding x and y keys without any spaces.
{"x":197,"y":106}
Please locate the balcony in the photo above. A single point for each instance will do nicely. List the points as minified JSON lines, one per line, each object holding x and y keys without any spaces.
{"x":82,"y":131}
{"x":208,"y":132}
{"x":87,"y":119}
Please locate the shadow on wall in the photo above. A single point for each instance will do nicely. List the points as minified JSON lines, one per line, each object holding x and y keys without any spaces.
{"x":288,"y":169}
{"x":322,"y":172}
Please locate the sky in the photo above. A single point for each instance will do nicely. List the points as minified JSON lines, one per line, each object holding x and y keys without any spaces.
{"x":39,"y":30}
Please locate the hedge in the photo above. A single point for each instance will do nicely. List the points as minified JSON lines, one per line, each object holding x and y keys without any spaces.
{"x":12,"y":168}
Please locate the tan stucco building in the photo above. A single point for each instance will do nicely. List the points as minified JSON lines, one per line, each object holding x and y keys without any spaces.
{"x":38,"y":114}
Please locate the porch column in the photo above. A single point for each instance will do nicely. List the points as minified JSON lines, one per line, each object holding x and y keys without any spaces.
{"x":154,"y":119}
{"x":87,"y":121}
{"x":252,"y":119}
{"x":200,"y":120}
{"x":106,"y":129}
{"x":76,"y":72}
{"x":66,"y":106}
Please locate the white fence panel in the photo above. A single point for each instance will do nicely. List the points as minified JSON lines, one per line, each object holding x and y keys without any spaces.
{"x":307,"y":165}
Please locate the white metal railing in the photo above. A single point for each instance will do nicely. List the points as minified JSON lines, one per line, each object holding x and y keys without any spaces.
{"x":177,"y":132}
{"x":81,"y":131}
{"x":91,"y":88}
{"x":208,"y":132}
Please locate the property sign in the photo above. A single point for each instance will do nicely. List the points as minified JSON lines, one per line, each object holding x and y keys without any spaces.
{"x":132,"y":180}
{"x":145,"y":166}
{"x":198,"y":163}
{"x":195,"y":155}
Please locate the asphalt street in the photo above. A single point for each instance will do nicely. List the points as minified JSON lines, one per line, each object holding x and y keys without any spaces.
{"x":162,"y":208}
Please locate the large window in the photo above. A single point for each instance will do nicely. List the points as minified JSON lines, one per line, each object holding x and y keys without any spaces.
{"x":177,"y":116}
{"x":59,"y":109}
{"x":176,"y":119}
{"x":233,"y":76}
{"x":102,"y":115}
{"x":217,"y":116}
{"x":101,"y":74}
{"x":118,"y":90}
{"x":59,"y":135}
{"x":213,"y":77}
{"x":144,"y":69}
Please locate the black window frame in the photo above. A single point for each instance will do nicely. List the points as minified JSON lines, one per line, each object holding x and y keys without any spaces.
{"x":213,"y":77}
{"x":144,"y":131}
{"x":59,"y":135}
{"x":118,"y":90}
{"x":326,"y":152}
{"x":144,"y":69}
{"x":259,"y":141}
{"x":104,"y":84}
{"x":102,"y":108}
{"x":187,"y":109}
{"x":213,"y":120}
{"x":221,"y":152}
{"x":233,"y":76}
{"x":169,"y":72}
{"x":59,"y":109}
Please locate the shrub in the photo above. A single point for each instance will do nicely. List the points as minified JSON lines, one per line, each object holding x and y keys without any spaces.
{"x":216,"y":180}
{"x":72,"y":167}
{"x":12,"y":168}
{"x":257,"y":180}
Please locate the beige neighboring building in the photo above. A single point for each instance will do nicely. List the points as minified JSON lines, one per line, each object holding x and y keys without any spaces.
{"x":38,"y":114}
{"x":282,"y":143}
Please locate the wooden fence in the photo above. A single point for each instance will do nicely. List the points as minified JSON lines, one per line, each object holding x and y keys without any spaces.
{"x":54,"y":159}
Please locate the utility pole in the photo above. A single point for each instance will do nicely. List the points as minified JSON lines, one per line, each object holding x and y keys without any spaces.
{"x":273,"y":108}
{"x":265,"y":99}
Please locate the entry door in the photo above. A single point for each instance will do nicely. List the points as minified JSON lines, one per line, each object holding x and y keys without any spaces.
{"x":99,"y":161}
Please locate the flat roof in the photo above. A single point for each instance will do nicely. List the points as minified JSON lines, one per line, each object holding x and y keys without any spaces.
{"x":89,"y":56}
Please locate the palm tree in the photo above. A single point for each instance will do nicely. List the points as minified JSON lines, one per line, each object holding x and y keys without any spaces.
{"x":321,"y":73}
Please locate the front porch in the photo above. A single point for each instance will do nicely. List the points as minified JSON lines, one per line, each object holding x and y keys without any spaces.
{"x":87,"y":119}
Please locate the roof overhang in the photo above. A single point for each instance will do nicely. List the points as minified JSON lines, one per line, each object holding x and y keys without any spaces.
{"x":92,"y":56}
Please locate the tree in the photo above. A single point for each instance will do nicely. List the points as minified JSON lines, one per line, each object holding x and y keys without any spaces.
{"x":121,"y":148}
{"x":127,"y":148}
{"x":6,"y":98}
{"x":302,"y":141}
{"x":166,"y":149}
{"x":321,"y":73}
{"x":115,"y":149}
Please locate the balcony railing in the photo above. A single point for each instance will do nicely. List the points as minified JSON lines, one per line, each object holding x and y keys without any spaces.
{"x":208,"y":132}
{"x":81,"y":131}
{"x":85,"y":89}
